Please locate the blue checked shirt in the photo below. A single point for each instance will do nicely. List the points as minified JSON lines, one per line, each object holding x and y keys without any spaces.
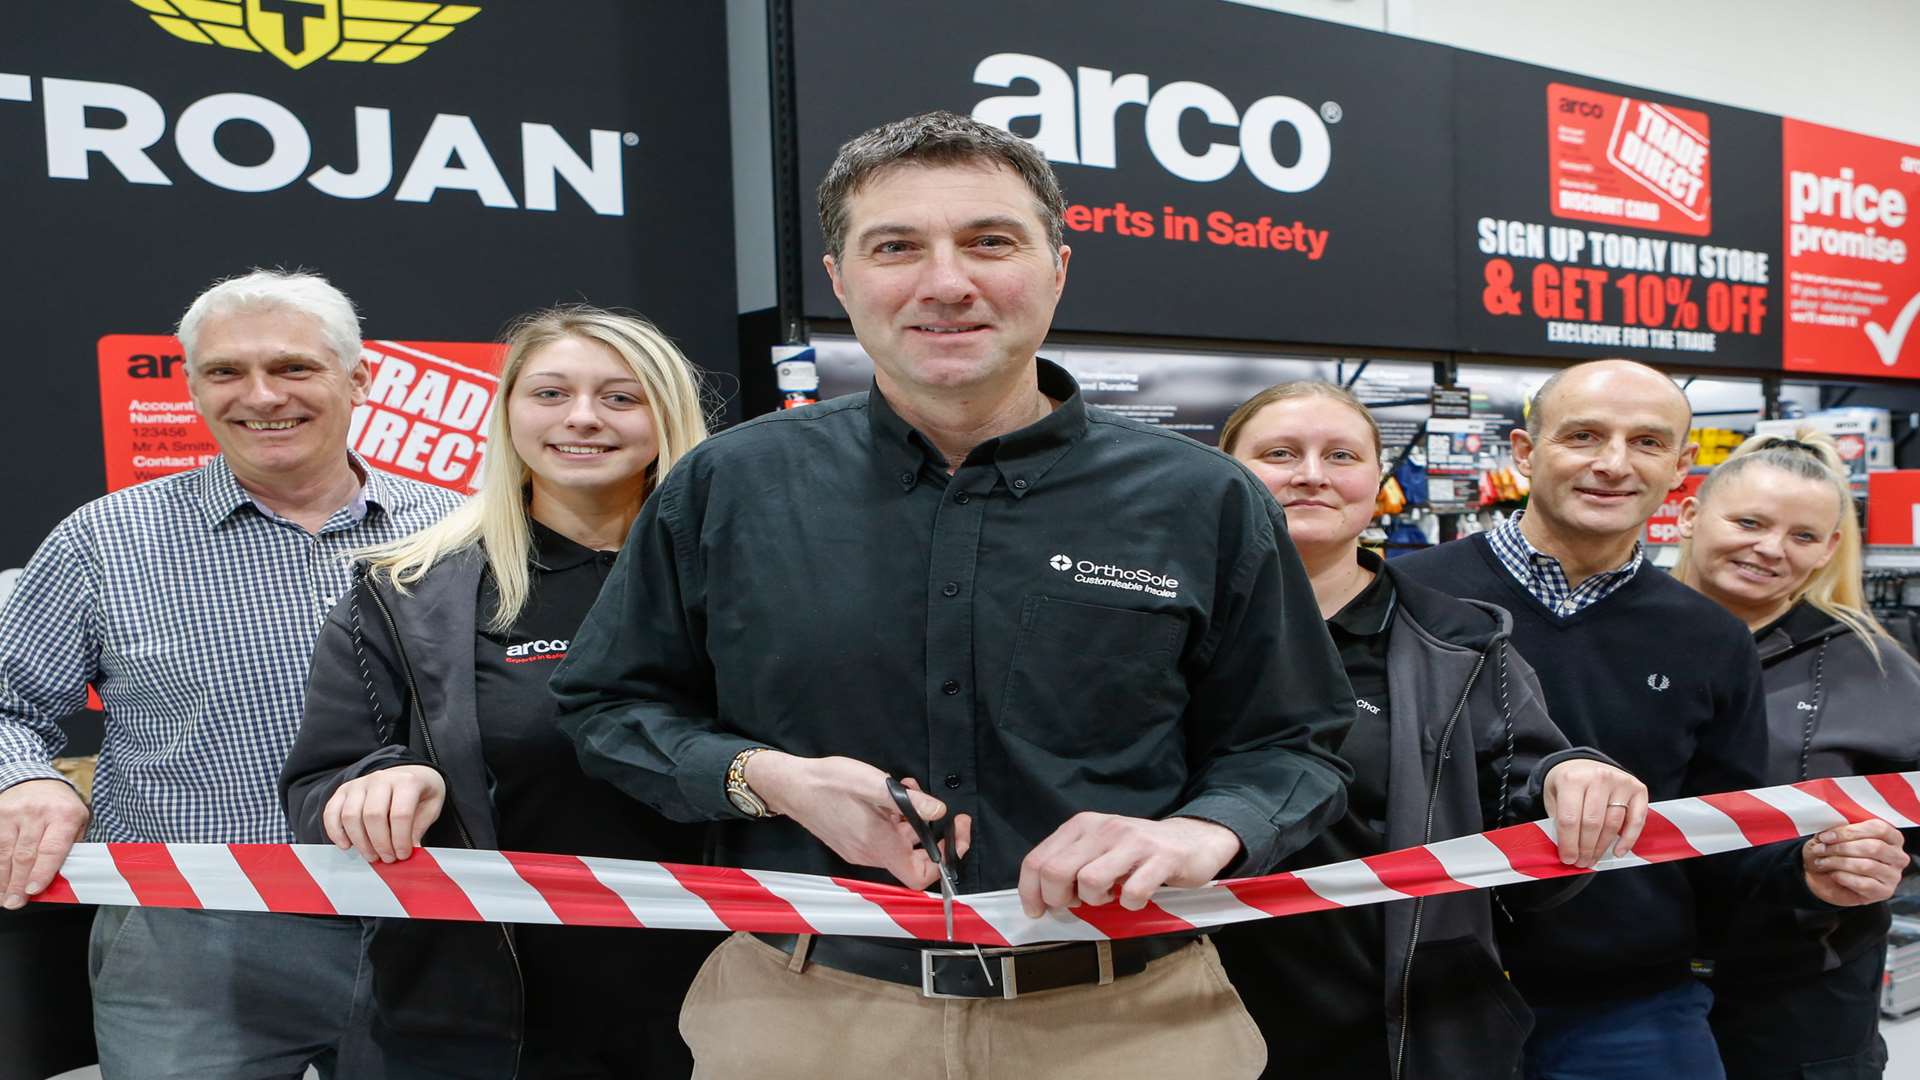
{"x":193,"y":611}
{"x":1543,"y":576}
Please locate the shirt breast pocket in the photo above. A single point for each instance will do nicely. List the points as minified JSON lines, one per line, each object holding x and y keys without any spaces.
{"x":1088,"y":677}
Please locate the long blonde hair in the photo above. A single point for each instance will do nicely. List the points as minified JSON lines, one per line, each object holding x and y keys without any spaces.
{"x":1834,"y":588}
{"x":496,"y":516}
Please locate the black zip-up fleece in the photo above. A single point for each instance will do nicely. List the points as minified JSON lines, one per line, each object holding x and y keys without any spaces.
{"x":1469,"y":745}
{"x":1485,"y":743}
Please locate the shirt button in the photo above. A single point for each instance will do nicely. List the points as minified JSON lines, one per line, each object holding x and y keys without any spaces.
{"x":951,"y":588}
{"x":1019,"y":485}
{"x":950,"y":687}
{"x":906,"y":478}
{"x":963,"y":498}
{"x":953,"y":780}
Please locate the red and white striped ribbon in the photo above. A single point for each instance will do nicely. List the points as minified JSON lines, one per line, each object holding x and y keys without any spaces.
{"x":511,"y":886}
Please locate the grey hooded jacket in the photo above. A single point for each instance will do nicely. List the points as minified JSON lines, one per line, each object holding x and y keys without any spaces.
{"x":1832,"y":710}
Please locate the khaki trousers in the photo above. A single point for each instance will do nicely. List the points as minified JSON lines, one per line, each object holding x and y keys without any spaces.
{"x":755,"y":1013}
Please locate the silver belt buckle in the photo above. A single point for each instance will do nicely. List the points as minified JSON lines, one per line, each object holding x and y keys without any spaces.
{"x":1008,"y":989}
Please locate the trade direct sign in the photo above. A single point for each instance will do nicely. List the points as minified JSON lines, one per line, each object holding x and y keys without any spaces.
{"x":1211,"y":192}
{"x":1621,"y":161}
{"x":425,"y":416}
{"x":1852,"y":252}
{"x":448,"y":166}
{"x":1589,"y":221}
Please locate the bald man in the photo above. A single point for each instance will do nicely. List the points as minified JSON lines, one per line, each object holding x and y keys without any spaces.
{"x":1661,"y":679}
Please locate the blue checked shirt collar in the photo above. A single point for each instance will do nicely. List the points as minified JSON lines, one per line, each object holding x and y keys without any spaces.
{"x":220,"y":494}
{"x":1546,"y":580}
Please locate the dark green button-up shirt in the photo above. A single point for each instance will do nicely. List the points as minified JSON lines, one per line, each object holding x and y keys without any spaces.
{"x":1088,"y":614}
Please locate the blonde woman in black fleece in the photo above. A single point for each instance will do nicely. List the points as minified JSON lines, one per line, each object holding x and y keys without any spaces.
{"x":428,"y":720}
{"x":1451,"y":737}
{"x":1772,"y":537}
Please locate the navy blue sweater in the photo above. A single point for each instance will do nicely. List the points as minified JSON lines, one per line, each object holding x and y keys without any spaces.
{"x":1667,"y":683}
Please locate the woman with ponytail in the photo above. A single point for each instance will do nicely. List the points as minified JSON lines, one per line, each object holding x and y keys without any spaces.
{"x":1772,"y":537}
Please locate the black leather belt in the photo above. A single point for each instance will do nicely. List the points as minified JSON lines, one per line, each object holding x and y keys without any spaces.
{"x":956,"y":973}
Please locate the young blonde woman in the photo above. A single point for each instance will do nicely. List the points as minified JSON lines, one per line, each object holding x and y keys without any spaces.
{"x":1451,"y":737}
{"x":1772,"y":537}
{"x":428,"y":720}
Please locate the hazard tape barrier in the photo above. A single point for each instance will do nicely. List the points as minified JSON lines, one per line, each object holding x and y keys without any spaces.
{"x":518,"y":887}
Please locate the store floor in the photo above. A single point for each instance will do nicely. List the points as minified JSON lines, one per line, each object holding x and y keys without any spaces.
{"x":1903,"y":1052}
{"x":1903,"y":1046}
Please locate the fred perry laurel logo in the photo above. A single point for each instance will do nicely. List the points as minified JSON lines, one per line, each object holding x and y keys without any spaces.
{"x":1061,"y":563}
{"x":298,"y":32}
{"x":1657,"y":681}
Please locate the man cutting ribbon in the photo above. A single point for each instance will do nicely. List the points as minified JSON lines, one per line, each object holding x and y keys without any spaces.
{"x":1089,"y":636}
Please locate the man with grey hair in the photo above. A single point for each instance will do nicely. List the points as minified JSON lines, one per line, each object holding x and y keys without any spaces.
{"x":191,"y":603}
{"x":1089,"y":636}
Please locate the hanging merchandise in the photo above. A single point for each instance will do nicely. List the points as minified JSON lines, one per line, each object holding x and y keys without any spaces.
{"x":1509,"y":484}
{"x":1715,"y":444}
{"x":1411,"y":476}
{"x":1453,"y":464}
{"x":1392,"y":499}
{"x":1407,"y":536}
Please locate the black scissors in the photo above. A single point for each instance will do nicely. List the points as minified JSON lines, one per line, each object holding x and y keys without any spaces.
{"x":930,"y":834}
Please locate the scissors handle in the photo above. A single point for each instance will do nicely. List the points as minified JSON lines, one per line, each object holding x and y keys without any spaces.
{"x":929,"y":833}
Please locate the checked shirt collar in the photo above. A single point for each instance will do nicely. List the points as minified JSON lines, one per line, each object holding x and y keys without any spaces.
{"x":220,"y":494}
{"x":1546,"y":580}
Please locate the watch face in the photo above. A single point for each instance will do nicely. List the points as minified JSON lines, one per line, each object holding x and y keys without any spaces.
{"x":746,"y":803}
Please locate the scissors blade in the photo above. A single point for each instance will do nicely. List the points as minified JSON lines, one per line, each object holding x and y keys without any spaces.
{"x":930,"y":842}
{"x":946,"y":898}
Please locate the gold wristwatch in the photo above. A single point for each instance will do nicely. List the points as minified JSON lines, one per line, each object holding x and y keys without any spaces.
{"x":738,"y":793}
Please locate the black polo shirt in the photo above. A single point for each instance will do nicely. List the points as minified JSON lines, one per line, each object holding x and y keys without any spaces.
{"x":1316,"y":984}
{"x":599,"y":1000}
{"x":1088,"y":614}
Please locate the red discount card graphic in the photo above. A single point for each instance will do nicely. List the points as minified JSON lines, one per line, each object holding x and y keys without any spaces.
{"x":1853,"y":274}
{"x":425,"y":417}
{"x":1621,"y":161}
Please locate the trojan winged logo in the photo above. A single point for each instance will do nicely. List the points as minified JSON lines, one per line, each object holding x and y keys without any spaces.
{"x":298,"y":32}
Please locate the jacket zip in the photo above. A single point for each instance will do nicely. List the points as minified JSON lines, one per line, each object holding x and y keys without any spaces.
{"x":466,"y":838}
{"x":1419,"y":905}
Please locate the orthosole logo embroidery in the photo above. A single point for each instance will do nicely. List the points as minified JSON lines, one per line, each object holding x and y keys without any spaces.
{"x":528,"y":651}
{"x":298,"y":32}
{"x":1109,"y":576}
